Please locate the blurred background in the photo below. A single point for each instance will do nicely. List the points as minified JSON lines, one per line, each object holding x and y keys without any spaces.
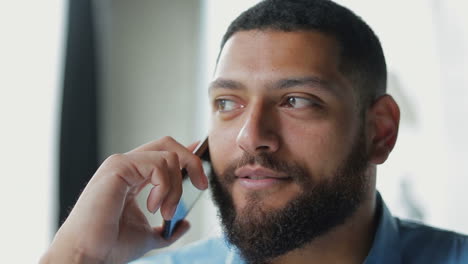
{"x":80,"y":80}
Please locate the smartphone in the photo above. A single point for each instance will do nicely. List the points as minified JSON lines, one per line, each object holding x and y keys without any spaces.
{"x":190,"y":194}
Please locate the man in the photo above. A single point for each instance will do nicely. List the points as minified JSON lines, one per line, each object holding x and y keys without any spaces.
{"x":300,"y":121}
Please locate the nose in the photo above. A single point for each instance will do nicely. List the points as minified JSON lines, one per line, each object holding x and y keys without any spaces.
{"x":259,"y":132}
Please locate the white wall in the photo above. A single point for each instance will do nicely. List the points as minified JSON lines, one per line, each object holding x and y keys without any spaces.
{"x":31,"y":48}
{"x":452,"y":42}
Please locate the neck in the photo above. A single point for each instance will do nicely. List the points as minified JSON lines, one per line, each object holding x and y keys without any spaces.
{"x":347,"y":243}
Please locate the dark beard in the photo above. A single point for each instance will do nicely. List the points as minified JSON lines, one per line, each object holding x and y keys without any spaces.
{"x":261,"y":235}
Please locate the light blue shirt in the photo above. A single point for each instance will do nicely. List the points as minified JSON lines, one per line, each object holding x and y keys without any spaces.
{"x":396,"y":241}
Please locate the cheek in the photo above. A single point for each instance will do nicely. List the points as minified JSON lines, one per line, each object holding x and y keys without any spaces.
{"x":222,"y":144}
{"x":319,"y":146}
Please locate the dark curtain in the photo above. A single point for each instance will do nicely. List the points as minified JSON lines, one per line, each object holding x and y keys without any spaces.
{"x":78,"y":132}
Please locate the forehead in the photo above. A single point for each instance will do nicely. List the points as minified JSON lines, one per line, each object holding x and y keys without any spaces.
{"x":269,"y":54}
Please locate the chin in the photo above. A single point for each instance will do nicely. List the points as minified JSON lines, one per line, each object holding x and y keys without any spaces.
{"x":248,"y":202}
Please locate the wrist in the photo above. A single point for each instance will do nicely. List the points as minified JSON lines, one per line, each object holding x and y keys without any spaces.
{"x":73,"y":257}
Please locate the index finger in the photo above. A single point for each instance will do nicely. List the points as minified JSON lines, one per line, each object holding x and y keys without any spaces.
{"x":188,"y":160}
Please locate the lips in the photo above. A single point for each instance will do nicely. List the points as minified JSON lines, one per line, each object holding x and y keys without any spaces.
{"x":259,"y":173}
{"x":256,"y":178}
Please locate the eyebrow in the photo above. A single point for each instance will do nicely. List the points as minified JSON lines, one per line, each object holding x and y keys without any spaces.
{"x":302,"y":81}
{"x":310,"y":81}
{"x":225,"y":84}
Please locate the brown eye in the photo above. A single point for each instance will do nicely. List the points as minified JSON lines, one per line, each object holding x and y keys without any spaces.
{"x":299,"y":102}
{"x":226,"y":105}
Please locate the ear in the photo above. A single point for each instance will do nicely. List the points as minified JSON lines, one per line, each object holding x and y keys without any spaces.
{"x":384,"y":119}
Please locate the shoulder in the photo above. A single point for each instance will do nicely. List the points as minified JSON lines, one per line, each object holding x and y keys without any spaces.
{"x":214,"y":250}
{"x":420,"y":241}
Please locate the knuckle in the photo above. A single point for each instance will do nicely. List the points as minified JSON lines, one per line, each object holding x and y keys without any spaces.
{"x":163,"y":180}
{"x":117,"y":158}
{"x":165,"y":164}
{"x":169,"y":159}
{"x":116,"y":166}
{"x":172,"y":156}
{"x":167,"y":139}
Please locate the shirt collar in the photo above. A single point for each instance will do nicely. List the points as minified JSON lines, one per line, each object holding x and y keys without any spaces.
{"x":385,"y":248}
{"x":233,"y":257}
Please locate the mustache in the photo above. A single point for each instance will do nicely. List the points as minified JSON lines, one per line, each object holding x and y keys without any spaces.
{"x":293,"y":170}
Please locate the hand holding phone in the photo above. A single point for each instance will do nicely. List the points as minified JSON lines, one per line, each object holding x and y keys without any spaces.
{"x":190,"y":194}
{"x":98,"y":224}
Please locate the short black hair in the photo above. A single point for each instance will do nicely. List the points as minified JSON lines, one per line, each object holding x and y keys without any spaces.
{"x":362,"y":59}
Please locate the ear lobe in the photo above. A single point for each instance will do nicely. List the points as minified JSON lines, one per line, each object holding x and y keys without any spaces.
{"x":384,"y":116}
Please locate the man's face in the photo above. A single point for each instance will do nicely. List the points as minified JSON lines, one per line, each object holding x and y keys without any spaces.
{"x":280,"y":93}
{"x":285,"y":128}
